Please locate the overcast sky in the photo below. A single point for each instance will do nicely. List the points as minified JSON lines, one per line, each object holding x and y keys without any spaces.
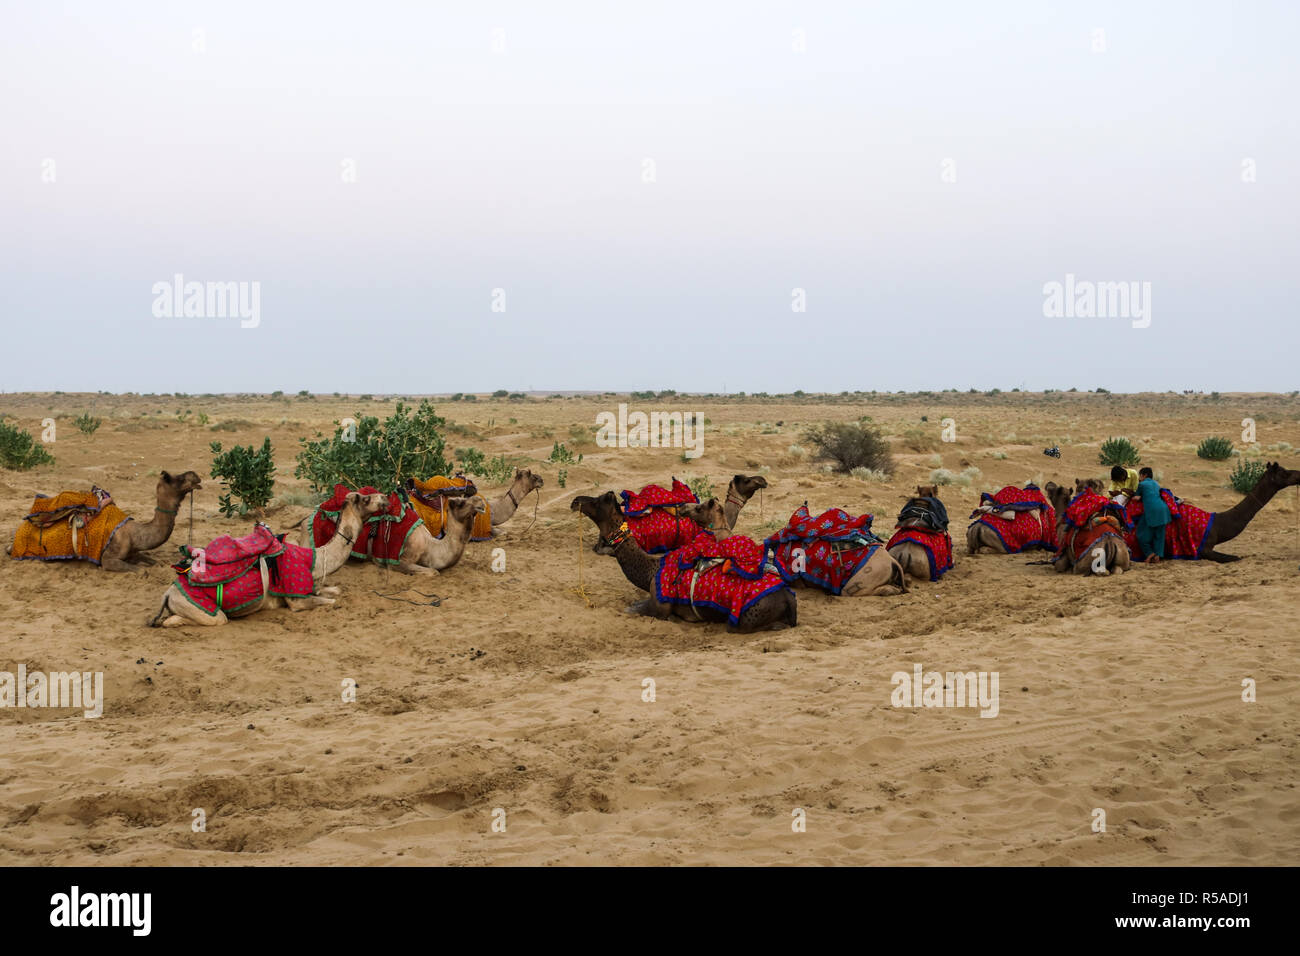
{"x":920,"y":170}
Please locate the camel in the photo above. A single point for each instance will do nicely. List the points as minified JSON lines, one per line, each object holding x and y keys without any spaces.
{"x":178,"y":611}
{"x":739,"y":490}
{"x":125,"y":552}
{"x":1115,"y":553}
{"x":1228,"y":524}
{"x":881,"y":576}
{"x":981,"y":539}
{"x":775,"y":610}
{"x":911,"y":557}
{"x":425,"y":554}
{"x":505,"y":506}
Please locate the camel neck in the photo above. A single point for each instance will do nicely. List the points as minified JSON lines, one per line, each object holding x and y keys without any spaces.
{"x":1228,"y":524}
{"x":637,"y":566}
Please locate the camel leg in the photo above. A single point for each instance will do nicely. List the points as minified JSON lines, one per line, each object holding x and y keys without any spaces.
{"x":330,"y":591}
{"x":409,"y":567}
{"x":651,"y":608}
{"x":183,"y":613}
{"x":1219,"y":557}
{"x":117,"y":564}
{"x":142,"y":558}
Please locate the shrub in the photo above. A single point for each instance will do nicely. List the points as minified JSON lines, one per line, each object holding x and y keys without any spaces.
{"x":86,"y":424}
{"x":562,"y":478}
{"x":1246,"y":475}
{"x":499,"y":470}
{"x":869,"y":474}
{"x":849,"y":445}
{"x":245,"y":474}
{"x":702,"y":487}
{"x":472,"y":461}
{"x":19,"y":451}
{"x":1214,"y":449}
{"x":560,"y":455}
{"x":1118,"y":451}
{"x":382,"y":455}
{"x":500,"y":393}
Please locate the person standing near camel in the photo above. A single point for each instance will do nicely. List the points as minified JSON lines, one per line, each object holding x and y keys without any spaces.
{"x":1123,"y":481}
{"x":1155,"y":518}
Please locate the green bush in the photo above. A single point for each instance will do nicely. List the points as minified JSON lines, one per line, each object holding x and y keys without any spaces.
{"x":1214,"y":449}
{"x":850,"y":445}
{"x":245,"y":474}
{"x":19,"y":451}
{"x":380,"y":454}
{"x":87,"y":424}
{"x":702,"y":487}
{"x":1118,"y":451}
{"x":561,"y":455}
{"x":1246,"y":475}
{"x":472,"y":461}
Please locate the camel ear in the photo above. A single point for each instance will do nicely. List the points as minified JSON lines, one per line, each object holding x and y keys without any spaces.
{"x":166,"y":476}
{"x":580,"y":503}
{"x":479,"y":506}
{"x":353,"y":498}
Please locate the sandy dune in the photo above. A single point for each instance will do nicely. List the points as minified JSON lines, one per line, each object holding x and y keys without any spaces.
{"x":1122,"y":694}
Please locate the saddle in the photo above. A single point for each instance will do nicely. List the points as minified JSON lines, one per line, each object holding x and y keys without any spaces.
{"x":727,"y":576}
{"x":229,"y":574}
{"x":653,"y":516}
{"x":428,"y":497}
{"x":1079,"y":541}
{"x":73,"y":525}
{"x":382,"y":536}
{"x":833,"y":546}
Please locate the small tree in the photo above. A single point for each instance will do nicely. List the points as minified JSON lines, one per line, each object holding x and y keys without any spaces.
{"x":850,"y":445}
{"x":1214,"y":449}
{"x":87,"y":424}
{"x":19,"y":451}
{"x":380,"y":454}
{"x":245,"y":474}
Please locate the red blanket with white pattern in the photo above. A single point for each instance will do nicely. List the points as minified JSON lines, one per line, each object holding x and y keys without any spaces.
{"x":1184,"y":535}
{"x":826,"y":550}
{"x":937,"y":545}
{"x":728,"y":575}
{"x":382,"y":536}
{"x":1034,"y":524}
{"x":653,"y":520}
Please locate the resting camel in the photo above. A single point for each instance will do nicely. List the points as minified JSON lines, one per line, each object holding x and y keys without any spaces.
{"x":425,"y":554}
{"x":739,"y":490}
{"x":911,"y":557}
{"x":1116,"y":555}
{"x":775,"y":610}
{"x":178,"y":611}
{"x":505,"y":506}
{"x":1228,"y":524}
{"x":981,"y":539}
{"x":125,"y":551}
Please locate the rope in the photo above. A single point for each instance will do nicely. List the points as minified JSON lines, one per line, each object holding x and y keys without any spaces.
{"x":190,"y":542}
{"x":434,"y":602}
{"x":536,"y":504}
{"x":580,"y":590}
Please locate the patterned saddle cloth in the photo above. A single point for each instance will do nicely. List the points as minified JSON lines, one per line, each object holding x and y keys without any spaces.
{"x":728,"y":575}
{"x":70,"y":526}
{"x":1090,"y":517}
{"x":1184,"y":535}
{"x":226,"y":575}
{"x":429,"y":496}
{"x":653,"y":519}
{"x":1033,"y":524}
{"x":826,"y":550}
{"x":382,"y":536}
{"x":937,"y":545}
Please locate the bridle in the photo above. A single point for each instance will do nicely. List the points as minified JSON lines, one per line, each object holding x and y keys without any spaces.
{"x":617,"y":538}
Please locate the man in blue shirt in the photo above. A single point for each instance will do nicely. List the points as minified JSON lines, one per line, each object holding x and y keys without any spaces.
{"x":1155,"y":517}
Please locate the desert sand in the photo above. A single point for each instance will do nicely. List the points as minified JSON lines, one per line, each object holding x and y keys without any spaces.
{"x":1121,"y":693}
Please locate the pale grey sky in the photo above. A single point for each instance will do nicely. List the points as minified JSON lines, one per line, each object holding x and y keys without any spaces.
{"x":209,"y":139}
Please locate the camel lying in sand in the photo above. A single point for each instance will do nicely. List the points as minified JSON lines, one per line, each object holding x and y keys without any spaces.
{"x":774,"y":610}
{"x":425,"y":554}
{"x":1108,"y":554}
{"x":177,"y":610}
{"x":912,"y":557}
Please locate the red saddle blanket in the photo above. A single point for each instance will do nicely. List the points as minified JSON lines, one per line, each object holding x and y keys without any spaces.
{"x":728,"y":575}
{"x":226,"y":575}
{"x":382,"y":536}
{"x":826,"y":550}
{"x":937,"y":545}
{"x":1034,"y":524}
{"x":652,"y":517}
{"x":1079,"y":541}
{"x":1184,"y":535}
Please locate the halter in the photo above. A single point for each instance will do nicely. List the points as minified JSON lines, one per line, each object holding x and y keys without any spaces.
{"x":617,"y":538}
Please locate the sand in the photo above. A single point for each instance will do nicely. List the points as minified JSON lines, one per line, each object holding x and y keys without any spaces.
{"x":517,"y":703}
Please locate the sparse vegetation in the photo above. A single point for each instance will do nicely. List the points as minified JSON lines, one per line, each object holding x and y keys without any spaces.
{"x":87,"y":424}
{"x":19,"y":451}
{"x":247,"y":475}
{"x":1245,"y":476}
{"x":849,"y":445}
{"x":702,"y":487}
{"x":1118,"y":451}
{"x":1214,"y":449}
{"x":382,"y":454}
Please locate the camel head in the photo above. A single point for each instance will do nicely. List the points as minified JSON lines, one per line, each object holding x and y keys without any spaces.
{"x":1083,"y":484}
{"x":1058,"y":495}
{"x":708,"y":515}
{"x":530,"y":481}
{"x":927,"y":491}
{"x":1276,"y":477}
{"x":608,"y":516}
{"x":175,"y":487}
{"x":743,"y":487}
{"x":462,"y":511}
{"x":366,"y":506}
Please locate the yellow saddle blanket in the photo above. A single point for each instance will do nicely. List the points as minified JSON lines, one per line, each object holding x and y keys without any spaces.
{"x":71,"y":526}
{"x":428,"y":504}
